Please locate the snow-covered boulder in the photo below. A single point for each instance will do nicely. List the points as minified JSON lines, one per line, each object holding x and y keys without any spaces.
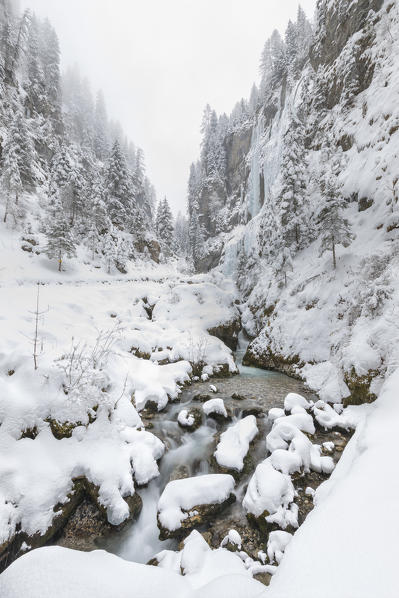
{"x":215,"y":408}
{"x":295,"y":400}
{"x":189,"y":502}
{"x":234,"y":444}
{"x":276,"y":545}
{"x":190,"y":419}
{"x":269,"y":497}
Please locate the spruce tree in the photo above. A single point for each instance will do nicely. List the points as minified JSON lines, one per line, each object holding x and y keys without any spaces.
{"x":166,"y":227}
{"x":109,"y":250}
{"x":292,"y":201}
{"x":60,"y":240}
{"x":118,"y":187}
{"x":334,"y":227}
{"x":101,"y":134}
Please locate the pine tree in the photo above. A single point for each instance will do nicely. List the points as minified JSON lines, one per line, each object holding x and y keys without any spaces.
{"x":93,"y":240}
{"x":166,"y":227}
{"x":292,"y":202}
{"x":109,"y":250}
{"x":278,"y":57}
{"x":101,"y":135}
{"x":49,"y":51}
{"x":334,"y":227}
{"x":196,"y":235}
{"x":19,"y":163}
{"x":118,"y":188}
{"x":60,"y":240}
{"x":36,"y":99}
{"x":181,"y":234}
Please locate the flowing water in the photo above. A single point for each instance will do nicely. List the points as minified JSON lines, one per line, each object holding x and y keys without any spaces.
{"x":189,"y":453}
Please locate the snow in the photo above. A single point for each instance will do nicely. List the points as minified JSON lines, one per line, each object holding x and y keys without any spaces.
{"x":234,"y":443}
{"x":293,"y":400}
{"x":233,"y":537}
{"x":56,"y":571}
{"x":214,"y":406}
{"x":268,"y":490}
{"x":83,"y":307}
{"x":185,"y":419}
{"x":277,"y":542}
{"x":180,"y":496}
{"x":363,"y":488}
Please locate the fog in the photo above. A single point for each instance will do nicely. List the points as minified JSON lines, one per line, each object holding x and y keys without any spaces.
{"x":159,"y":62}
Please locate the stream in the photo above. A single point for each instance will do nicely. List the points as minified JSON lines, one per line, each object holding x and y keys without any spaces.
{"x":189,"y":453}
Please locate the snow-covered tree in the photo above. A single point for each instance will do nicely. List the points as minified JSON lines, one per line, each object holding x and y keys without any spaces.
{"x":333,"y":226}
{"x":181,"y":234}
{"x":196,"y":235}
{"x":110,"y":250}
{"x":60,"y":239}
{"x":101,"y":135}
{"x":165,"y":231}
{"x":293,"y":215}
{"x":118,"y":187}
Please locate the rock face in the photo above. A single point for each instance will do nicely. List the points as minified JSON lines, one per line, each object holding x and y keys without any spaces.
{"x":228,"y":333}
{"x":263,"y":357}
{"x":342,"y":96}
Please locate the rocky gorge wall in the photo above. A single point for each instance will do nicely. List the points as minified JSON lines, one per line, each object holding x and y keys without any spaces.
{"x":331,"y":328}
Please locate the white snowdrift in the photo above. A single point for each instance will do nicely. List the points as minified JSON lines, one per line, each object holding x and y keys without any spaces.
{"x":58,"y":572}
{"x":354,"y":519}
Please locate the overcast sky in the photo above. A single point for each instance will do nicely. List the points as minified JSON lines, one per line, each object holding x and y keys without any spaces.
{"x":159,"y":62}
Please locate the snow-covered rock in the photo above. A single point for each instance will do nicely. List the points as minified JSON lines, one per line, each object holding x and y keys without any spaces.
{"x":188,"y":502}
{"x":234,"y":443}
{"x":215,"y":407}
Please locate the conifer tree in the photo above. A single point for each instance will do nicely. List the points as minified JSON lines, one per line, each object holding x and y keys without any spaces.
{"x":36,"y":100}
{"x":334,"y":227}
{"x":196,"y":235}
{"x":118,"y":187}
{"x":49,"y":52}
{"x":166,"y":227}
{"x":101,"y":135}
{"x":293,"y":192}
{"x":109,"y":250}
{"x":60,"y":240}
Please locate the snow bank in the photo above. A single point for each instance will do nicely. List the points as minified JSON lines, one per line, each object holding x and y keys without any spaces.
{"x":68,"y":419}
{"x":180,"y":496}
{"x":56,"y":571}
{"x":234,"y":443}
{"x":353,"y":517}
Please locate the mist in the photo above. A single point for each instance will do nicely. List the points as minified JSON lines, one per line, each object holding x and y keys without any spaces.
{"x":159,"y":63}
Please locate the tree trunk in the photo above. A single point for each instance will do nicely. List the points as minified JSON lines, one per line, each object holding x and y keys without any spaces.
{"x":333,"y":252}
{"x":59,"y":262}
{"x":6,"y":208}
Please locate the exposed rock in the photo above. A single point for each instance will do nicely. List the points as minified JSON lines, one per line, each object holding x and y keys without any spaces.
{"x":359,"y":387}
{"x":179,"y":472}
{"x":251,"y":537}
{"x":202,"y":397}
{"x":196,"y":517}
{"x":228,"y":333}
{"x":267,"y":360}
{"x":264,"y":578}
{"x":365,"y":203}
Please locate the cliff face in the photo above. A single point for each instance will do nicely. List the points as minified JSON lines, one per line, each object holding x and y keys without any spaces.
{"x":328,"y":326}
